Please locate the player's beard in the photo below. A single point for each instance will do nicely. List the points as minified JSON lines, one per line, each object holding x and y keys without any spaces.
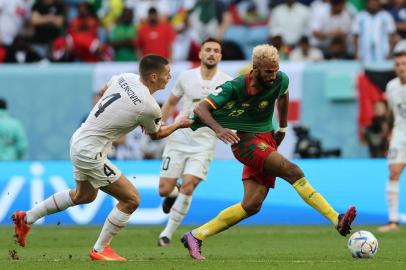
{"x":209,"y":66}
{"x":262,"y":83}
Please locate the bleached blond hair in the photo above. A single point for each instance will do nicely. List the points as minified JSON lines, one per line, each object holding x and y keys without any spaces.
{"x":264,"y":51}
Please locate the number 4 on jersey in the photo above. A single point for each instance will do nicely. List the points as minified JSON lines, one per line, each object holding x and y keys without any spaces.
{"x":106,"y":102}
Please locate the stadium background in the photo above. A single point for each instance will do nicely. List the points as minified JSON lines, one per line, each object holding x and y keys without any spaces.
{"x":52,"y":99}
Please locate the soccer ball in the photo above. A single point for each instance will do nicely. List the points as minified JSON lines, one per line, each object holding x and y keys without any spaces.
{"x":363,"y":244}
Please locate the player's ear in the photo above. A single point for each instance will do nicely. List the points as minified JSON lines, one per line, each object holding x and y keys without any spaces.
{"x":153,"y":77}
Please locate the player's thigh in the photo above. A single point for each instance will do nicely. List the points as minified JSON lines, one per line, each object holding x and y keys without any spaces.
{"x":277,"y":165}
{"x":254,"y":196}
{"x":123,"y":190}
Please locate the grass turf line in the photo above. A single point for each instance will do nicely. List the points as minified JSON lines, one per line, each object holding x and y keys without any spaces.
{"x":242,"y":247}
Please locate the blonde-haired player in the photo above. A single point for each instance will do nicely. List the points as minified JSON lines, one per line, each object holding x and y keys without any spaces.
{"x":188,"y":154}
{"x":246,"y":104}
{"x":126,"y":104}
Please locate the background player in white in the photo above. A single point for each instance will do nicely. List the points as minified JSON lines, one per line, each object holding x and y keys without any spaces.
{"x":126,"y":104}
{"x":188,"y":154}
{"x":396,"y":97}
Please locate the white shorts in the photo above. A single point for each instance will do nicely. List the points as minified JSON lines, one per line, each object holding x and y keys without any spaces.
{"x":176,"y":162}
{"x":397,"y":148}
{"x":98,"y":172}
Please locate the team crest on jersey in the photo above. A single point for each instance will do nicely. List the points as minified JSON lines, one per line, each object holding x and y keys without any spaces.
{"x":263,"y":104}
{"x":229,"y":105}
{"x":262,"y":146}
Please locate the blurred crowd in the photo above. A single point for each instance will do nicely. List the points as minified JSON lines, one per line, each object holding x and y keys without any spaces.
{"x":125,"y":30}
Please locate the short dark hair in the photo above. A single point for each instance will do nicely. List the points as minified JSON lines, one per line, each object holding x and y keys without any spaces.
{"x":210,"y":39}
{"x":399,"y":53}
{"x":304,"y":40}
{"x":151,"y":63}
{"x":3,"y":104}
{"x":152,"y":11}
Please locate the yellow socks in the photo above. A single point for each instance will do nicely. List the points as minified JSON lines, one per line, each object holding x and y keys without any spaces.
{"x":227,"y":218}
{"x":315,"y":200}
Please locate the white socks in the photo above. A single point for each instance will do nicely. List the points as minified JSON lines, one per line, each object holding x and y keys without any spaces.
{"x":57,"y":202}
{"x":392,"y":197}
{"x":176,"y":215}
{"x":174,"y":193}
{"x":112,"y":226}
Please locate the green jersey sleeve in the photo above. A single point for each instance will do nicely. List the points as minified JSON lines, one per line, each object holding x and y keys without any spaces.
{"x":221,"y":95}
{"x":285,"y":84}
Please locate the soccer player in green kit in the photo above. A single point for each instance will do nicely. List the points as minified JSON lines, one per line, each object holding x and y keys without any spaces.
{"x":246,"y":104}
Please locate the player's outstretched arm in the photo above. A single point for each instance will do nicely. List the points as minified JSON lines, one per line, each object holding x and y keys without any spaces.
{"x":169,"y":106}
{"x":202,"y":111}
{"x":283,"y":104}
{"x":165,"y":131}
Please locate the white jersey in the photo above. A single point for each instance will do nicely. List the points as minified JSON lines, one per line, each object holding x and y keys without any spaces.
{"x":396,"y":96}
{"x":126,"y":104}
{"x":192,"y":89}
{"x":13,"y":14}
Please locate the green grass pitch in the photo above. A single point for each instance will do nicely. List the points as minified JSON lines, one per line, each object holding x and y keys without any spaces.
{"x":242,"y":247}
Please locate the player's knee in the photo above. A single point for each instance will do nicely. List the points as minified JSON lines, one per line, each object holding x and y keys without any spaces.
{"x":294,"y":173}
{"x":83,"y":198}
{"x":165,"y":190}
{"x":131,"y":204}
{"x":394,"y":174}
{"x":187,"y":188}
{"x":251,"y":208}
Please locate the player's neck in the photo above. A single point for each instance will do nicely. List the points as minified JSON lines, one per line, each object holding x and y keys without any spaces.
{"x":402,"y":80}
{"x":207,"y":73}
{"x":152,"y":89}
{"x":255,"y":85}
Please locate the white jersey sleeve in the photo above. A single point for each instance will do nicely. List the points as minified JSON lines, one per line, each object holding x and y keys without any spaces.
{"x":177,"y":88}
{"x":151,"y":120}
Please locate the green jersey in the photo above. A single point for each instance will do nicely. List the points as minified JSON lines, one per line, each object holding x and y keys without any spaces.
{"x":236,"y":107}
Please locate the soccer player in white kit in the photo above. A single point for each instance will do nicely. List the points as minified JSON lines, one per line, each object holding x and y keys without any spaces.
{"x":188,"y":154}
{"x":126,"y":104}
{"x":396,"y":97}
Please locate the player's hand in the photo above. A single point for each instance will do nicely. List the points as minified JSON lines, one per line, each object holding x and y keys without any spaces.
{"x":184,"y":122}
{"x":279,"y":136}
{"x":227,"y":136}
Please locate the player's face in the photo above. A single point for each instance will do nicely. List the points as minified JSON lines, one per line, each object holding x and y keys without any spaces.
{"x":266,"y":72}
{"x":210,"y":54}
{"x":400,"y":67}
{"x":164,"y":77}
